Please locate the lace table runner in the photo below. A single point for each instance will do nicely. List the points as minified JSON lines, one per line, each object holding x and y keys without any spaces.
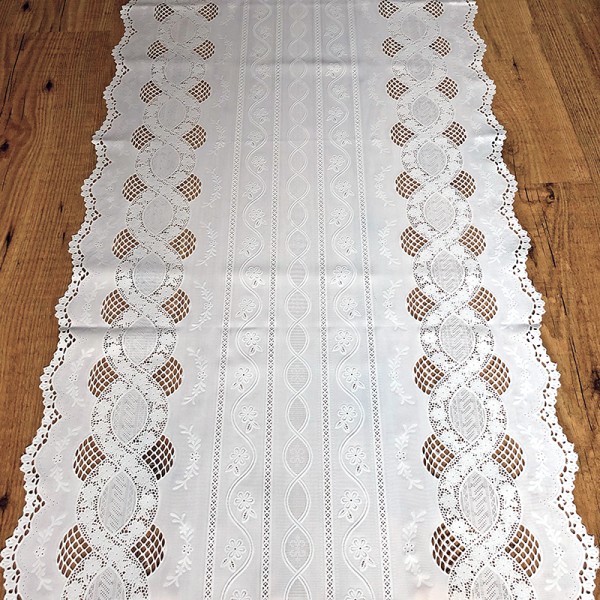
{"x":300,"y":355}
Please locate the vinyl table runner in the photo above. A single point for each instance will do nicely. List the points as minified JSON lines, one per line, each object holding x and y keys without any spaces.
{"x":300,"y":355}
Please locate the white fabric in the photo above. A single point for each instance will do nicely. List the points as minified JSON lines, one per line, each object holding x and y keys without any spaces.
{"x":300,"y":355}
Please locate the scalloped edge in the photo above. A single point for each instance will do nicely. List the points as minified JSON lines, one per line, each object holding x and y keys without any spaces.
{"x":33,"y":500}
{"x":565,"y":499}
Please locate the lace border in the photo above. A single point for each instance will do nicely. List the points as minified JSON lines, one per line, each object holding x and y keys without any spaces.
{"x":548,"y":414}
{"x":33,"y":499}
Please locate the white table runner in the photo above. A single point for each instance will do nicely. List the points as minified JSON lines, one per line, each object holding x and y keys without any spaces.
{"x":300,"y":355}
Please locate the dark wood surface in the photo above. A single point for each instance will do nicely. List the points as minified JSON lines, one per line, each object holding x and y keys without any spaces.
{"x":55,"y":61}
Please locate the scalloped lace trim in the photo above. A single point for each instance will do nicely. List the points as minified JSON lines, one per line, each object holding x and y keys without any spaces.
{"x":565,"y":499}
{"x":33,"y":500}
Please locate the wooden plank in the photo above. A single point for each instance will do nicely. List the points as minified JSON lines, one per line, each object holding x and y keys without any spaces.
{"x":22,"y":16}
{"x":542,"y":145}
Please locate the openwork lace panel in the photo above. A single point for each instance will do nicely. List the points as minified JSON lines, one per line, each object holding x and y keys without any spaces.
{"x":300,"y":355}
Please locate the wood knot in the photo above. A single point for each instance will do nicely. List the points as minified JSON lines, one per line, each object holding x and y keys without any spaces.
{"x":4,"y":502}
{"x":49,"y":85}
{"x":5,"y":146}
{"x":25,"y":6}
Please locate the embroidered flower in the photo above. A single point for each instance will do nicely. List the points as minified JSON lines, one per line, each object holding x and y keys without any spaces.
{"x":243,"y":376}
{"x":355,"y":594}
{"x":349,"y":306}
{"x":331,"y":30}
{"x":333,"y":70}
{"x":238,"y":457}
{"x":337,"y":217}
{"x":234,"y":550}
{"x":254,"y":139}
{"x":352,"y":375}
{"x":248,"y":246}
{"x":257,"y":217}
{"x":241,"y":595}
{"x":346,"y":245}
{"x":343,"y":341}
{"x":246,"y":308}
{"x":347,"y":414}
{"x":336,"y":163}
{"x":350,"y":502}
{"x":251,"y":190}
{"x":342,"y":138}
{"x":243,"y":502}
{"x":338,"y":50}
{"x":361,"y":551}
{"x":259,"y":162}
{"x":251,"y":340}
{"x":335,"y":114}
{"x":356,"y":456}
{"x":344,"y":189}
{"x":263,"y":71}
{"x":261,"y":115}
{"x":404,"y":468}
{"x":254,"y":274}
{"x":248,"y":416}
{"x":259,"y":52}
{"x":257,"y":92}
{"x":340,"y":92}
{"x":341,"y":273}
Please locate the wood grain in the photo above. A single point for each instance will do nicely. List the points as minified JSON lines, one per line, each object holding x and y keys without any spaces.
{"x":55,"y":60}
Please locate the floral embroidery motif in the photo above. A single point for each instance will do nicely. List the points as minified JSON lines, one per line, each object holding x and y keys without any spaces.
{"x":355,"y":594}
{"x":352,"y":376}
{"x":396,"y":371}
{"x":201,"y":377}
{"x":252,"y":340}
{"x":238,"y":457}
{"x":243,"y":502}
{"x":257,"y":217}
{"x":341,"y":274}
{"x":234,"y":551}
{"x":350,"y":306}
{"x":192,"y":469}
{"x":248,"y":416}
{"x":404,"y":468}
{"x":248,"y":246}
{"x":343,"y":341}
{"x":350,"y":502}
{"x":356,"y":456}
{"x":243,"y":376}
{"x":346,"y":245}
{"x":206,"y":315}
{"x":184,"y":564}
{"x":255,"y":276}
{"x":361,"y":551}
{"x":411,"y":559}
{"x":346,"y":415}
{"x":247,"y":306}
